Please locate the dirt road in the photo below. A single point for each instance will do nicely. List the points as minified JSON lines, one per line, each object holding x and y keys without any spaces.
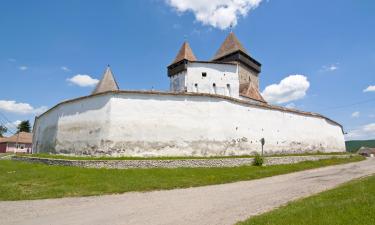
{"x":217,"y":204}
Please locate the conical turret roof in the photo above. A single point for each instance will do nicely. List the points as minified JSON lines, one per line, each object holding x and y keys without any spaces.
{"x":230,"y":45}
{"x":185,"y":53}
{"x":107,"y":83}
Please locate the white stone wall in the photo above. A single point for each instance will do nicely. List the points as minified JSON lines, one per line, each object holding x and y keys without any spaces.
{"x":177,"y":82}
{"x":78,"y":126}
{"x":221,"y":79}
{"x":144,"y":124}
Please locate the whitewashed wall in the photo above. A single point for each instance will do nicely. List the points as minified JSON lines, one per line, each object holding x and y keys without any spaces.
{"x":143,"y":124}
{"x":221,"y":79}
{"x":74,"y":127}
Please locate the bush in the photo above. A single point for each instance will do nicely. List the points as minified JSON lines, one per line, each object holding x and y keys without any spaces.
{"x":258,"y":160}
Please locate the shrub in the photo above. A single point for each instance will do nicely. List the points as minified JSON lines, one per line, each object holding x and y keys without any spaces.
{"x":258,"y":160}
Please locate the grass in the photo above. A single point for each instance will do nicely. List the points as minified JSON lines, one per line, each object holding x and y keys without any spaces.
{"x":354,"y":146}
{"x":71,"y":157}
{"x":21,"y":180}
{"x":351,"y":203}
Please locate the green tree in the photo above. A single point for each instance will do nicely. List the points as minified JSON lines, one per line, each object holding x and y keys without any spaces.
{"x":24,"y":126}
{"x":3,"y":130}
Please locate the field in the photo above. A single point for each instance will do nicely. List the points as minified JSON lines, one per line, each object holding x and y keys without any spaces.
{"x":20,"y":180}
{"x":352,"y":203}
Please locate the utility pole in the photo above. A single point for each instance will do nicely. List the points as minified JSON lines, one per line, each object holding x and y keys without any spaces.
{"x":18,"y":136}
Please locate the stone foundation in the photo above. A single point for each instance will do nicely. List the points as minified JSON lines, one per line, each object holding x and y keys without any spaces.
{"x":175,"y":163}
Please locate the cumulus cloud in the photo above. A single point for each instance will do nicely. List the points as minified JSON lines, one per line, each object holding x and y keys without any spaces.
{"x":217,"y":13}
{"x":363,"y":132}
{"x":83,"y":80}
{"x":23,"y":68}
{"x":20,"y":108}
{"x":64,"y":68}
{"x":355,"y":114}
{"x":289,"y":89}
{"x":369,"y":88}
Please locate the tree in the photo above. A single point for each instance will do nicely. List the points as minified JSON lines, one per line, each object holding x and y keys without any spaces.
{"x":24,"y":126}
{"x":3,"y":130}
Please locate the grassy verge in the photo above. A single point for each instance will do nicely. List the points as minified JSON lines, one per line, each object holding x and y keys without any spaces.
{"x":352,"y":203}
{"x":51,"y":156}
{"x":20,"y":180}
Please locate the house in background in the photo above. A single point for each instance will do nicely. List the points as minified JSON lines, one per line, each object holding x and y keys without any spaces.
{"x":366,"y":151}
{"x":18,"y":143}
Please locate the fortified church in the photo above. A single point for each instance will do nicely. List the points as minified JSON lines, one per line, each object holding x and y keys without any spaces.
{"x":213,"y":108}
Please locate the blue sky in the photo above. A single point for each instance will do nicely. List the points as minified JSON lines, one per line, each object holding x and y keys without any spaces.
{"x":330,"y":43}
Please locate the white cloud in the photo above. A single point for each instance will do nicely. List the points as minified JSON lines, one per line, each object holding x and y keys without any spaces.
{"x":23,"y":68}
{"x":20,"y":108}
{"x":364,"y":132}
{"x":83,"y":80}
{"x":291,"y":105}
{"x":289,"y":89}
{"x":355,"y":114}
{"x":330,"y":68}
{"x":217,"y":13}
{"x":64,"y":68}
{"x":13,"y":125}
{"x":369,"y":88}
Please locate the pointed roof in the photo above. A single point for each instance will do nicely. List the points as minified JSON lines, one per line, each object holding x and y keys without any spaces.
{"x":252,"y":92}
{"x":230,"y":45}
{"x":185,"y":53}
{"x":107,"y":83}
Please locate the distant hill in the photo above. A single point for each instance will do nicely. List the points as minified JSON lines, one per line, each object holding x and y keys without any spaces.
{"x":353,"y":146}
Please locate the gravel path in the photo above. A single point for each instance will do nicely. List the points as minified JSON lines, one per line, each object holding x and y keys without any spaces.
{"x":211,"y":205}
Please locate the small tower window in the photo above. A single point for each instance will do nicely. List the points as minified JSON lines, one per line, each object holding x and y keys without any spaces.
{"x":196,"y":87}
{"x":204,"y":74}
{"x":214,"y":87}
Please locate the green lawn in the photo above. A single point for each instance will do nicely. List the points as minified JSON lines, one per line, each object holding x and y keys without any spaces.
{"x":21,"y":180}
{"x":350,"y":204}
{"x":44,"y":155}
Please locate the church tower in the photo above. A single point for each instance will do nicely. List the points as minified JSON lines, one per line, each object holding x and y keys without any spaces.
{"x":249,"y":69}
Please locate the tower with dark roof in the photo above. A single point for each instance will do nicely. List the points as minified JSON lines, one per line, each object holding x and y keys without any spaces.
{"x":184,"y":55}
{"x":249,"y":69}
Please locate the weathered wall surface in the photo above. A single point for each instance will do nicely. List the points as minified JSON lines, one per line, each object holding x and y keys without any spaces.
{"x":77,"y":127}
{"x":220,"y":79}
{"x":143,"y":124}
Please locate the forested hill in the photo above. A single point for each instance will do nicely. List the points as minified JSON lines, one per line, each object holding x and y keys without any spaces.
{"x":353,"y":146}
